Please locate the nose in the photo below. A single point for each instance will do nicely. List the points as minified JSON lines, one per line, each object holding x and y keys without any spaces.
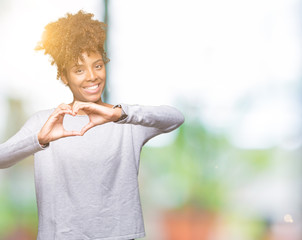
{"x":91,"y":75}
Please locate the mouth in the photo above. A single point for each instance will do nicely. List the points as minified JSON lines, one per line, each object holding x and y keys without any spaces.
{"x":92,"y":89}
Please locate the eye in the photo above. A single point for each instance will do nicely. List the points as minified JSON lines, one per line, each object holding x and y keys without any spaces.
{"x":79,"y":71}
{"x":99,"y":66}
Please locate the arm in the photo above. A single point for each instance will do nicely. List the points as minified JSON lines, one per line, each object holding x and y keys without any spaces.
{"x":152,"y":120}
{"x":40,"y":129}
{"x":23,"y":144}
{"x":149,"y":121}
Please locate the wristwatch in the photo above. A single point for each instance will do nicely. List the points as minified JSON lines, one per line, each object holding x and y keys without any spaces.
{"x":123,"y":116}
{"x":44,"y":145}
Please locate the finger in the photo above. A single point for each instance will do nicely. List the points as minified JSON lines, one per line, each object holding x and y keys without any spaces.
{"x":64,"y":111}
{"x":62,"y":106}
{"x":59,"y":113}
{"x":87,"y":127}
{"x":80,"y":106}
{"x":75,"y":107}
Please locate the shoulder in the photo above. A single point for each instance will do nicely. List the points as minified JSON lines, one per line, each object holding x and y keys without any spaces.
{"x":38,"y":118}
{"x":43,"y":113}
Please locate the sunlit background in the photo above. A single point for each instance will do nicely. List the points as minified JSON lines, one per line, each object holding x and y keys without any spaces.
{"x":232,"y":171}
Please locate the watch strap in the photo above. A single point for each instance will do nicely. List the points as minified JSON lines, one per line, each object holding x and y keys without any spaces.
{"x":123,"y":115}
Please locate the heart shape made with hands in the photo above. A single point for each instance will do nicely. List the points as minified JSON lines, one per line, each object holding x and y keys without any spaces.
{"x":94,"y":114}
{"x":76,"y":122}
{"x":65,"y":120}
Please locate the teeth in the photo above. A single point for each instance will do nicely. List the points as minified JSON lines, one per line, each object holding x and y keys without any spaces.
{"x":92,"y":87}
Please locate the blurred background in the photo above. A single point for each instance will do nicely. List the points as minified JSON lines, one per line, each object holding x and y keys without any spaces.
{"x":233,"y":169}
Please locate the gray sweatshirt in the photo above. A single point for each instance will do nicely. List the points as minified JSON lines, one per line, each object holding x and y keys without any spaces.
{"x":87,"y":186}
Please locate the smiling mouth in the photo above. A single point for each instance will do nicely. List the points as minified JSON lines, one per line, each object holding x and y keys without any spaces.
{"x":92,"y":87}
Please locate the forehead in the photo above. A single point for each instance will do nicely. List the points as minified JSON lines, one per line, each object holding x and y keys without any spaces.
{"x":86,"y":58}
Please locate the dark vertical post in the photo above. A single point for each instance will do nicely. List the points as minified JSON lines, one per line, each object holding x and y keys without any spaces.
{"x":105,"y":93}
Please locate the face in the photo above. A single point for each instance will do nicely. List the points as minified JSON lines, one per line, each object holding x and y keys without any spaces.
{"x":86,"y":79}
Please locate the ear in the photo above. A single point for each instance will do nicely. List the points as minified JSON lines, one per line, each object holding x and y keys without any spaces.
{"x":64,"y":79}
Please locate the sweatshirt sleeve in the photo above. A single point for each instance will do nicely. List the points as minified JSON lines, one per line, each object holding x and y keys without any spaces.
{"x":151,"y":121}
{"x":23,"y":144}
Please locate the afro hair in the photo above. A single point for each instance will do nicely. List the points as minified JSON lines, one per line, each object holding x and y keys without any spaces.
{"x":66,"y":39}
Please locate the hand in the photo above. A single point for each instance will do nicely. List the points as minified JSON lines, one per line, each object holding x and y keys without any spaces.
{"x":98,"y":114}
{"x":53,"y":128}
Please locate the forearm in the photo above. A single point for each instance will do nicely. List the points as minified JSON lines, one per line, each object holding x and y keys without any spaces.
{"x":16,"y":149}
{"x":164,"y":118}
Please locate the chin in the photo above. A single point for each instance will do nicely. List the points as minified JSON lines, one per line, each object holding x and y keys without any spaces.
{"x":93,"y":99}
{"x":88,"y":98}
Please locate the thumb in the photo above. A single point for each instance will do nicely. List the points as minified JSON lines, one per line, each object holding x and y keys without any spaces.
{"x":71,"y":133}
{"x":87,"y":127}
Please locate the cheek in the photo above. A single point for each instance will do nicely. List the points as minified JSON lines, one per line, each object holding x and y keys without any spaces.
{"x":73,"y":85}
{"x":103,"y":74}
{"x":75,"y":80}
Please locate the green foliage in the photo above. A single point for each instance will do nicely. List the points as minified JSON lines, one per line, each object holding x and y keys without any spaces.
{"x":199,"y":168}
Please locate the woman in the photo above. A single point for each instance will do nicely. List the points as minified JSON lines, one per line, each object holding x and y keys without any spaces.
{"x":87,"y":152}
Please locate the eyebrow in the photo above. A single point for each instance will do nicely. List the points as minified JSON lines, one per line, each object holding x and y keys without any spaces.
{"x":79,"y":65}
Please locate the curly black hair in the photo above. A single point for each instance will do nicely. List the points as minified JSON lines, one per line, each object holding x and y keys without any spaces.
{"x":66,"y":39}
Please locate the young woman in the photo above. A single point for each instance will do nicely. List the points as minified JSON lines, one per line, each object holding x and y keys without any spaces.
{"x":87,"y":152}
